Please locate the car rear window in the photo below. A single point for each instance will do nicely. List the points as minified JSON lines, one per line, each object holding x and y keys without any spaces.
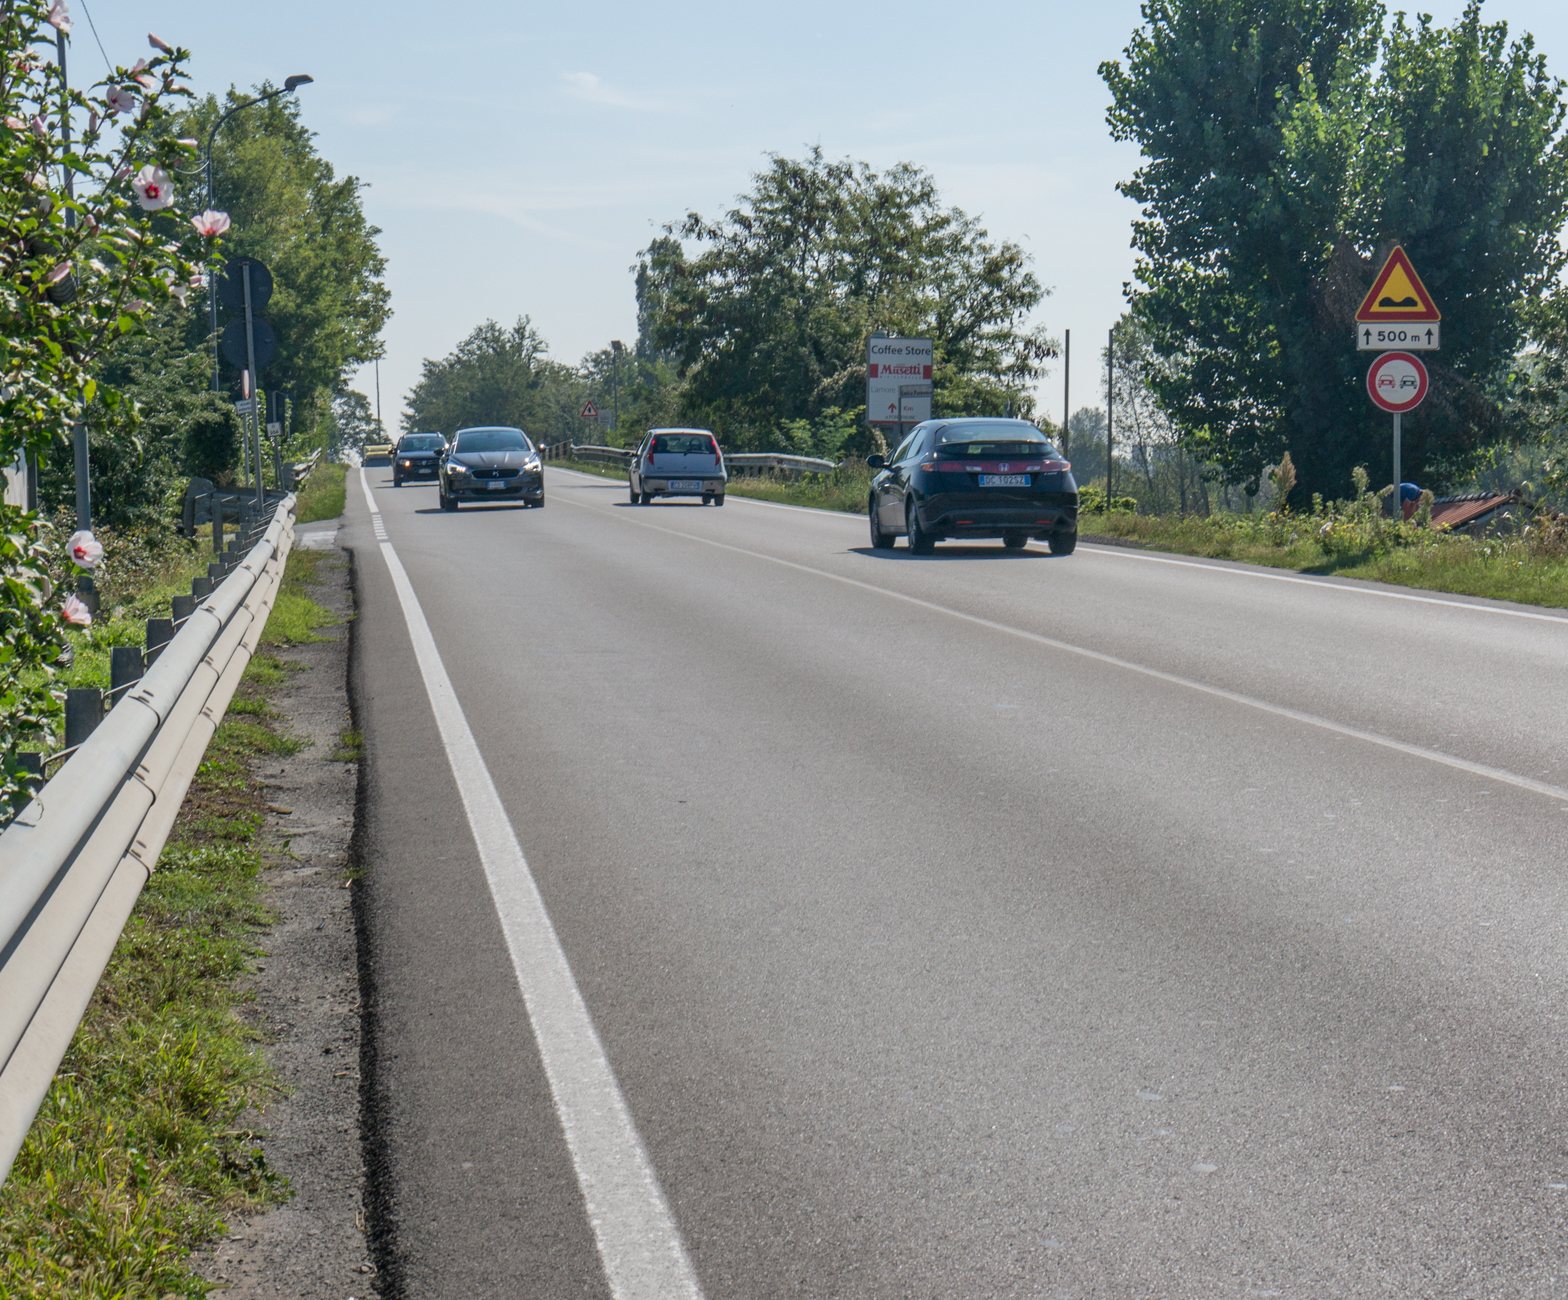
{"x":424,"y":442}
{"x":991,"y":450}
{"x":685,"y":444}
{"x":1004,"y":438}
{"x":493,"y":440}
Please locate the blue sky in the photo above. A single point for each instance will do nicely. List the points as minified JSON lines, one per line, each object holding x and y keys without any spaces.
{"x":518,"y":156}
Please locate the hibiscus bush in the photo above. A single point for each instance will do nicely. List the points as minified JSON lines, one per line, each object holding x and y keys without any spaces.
{"x":91,"y":241}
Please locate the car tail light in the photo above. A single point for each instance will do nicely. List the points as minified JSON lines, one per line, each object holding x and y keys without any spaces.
{"x":718,"y":456}
{"x":1057,"y":466}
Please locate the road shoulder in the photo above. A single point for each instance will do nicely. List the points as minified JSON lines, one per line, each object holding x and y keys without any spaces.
{"x":306,"y":985}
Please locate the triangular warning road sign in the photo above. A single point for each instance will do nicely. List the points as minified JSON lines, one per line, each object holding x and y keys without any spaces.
{"x":589,"y":411}
{"x":1397,"y":294}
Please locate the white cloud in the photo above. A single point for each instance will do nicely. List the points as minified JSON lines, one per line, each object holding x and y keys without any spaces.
{"x":586,"y":86}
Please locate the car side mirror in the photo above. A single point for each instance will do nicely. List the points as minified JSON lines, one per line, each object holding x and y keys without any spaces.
{"x":874,"y":461}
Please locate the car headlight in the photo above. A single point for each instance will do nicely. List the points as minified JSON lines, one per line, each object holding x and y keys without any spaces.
{"x":452,"y":467}
{"x":531,"y":466}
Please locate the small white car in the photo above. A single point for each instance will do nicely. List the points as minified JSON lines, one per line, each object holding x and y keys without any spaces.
{"x":678,"y":463}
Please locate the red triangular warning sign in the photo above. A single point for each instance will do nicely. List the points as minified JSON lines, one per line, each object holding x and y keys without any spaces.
{"x":589,"y":411}
{"x":1397,"y":295}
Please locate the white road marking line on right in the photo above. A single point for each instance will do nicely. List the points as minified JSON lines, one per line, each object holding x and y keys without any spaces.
{"x":639,"y":1244}
{"x":1235,"y":697}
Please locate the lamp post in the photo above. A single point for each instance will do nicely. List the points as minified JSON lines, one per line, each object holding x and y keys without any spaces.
{"x":291,"y":84}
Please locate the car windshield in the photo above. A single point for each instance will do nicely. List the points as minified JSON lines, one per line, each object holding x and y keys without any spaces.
{"x":1008,"y":438}
{"x":424,"y":442}
{"x":493,"y":440}
{"x":683,"y":444}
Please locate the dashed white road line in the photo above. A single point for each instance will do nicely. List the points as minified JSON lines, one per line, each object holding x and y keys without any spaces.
{"x":639,"y":1244}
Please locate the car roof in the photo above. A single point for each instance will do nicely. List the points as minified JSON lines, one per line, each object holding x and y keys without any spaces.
{"x":709,"y":432}
{"x":988,"y":419}
{"x":492,"y":428}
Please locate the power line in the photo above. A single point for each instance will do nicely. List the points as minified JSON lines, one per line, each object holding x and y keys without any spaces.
{"x":94,"y":27}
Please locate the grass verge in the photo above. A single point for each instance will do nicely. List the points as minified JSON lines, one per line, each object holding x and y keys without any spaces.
{"x":323,"y":495}
{"x":1498,"y":568}
{"x":141,"y":1147}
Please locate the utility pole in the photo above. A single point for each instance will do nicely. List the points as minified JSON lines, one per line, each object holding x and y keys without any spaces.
{"x":1067,"y":376}
{"x":1110,"y":410}
{"x":84,"y":487}
{"x":381,"y":429}
{"x":615,"y":380}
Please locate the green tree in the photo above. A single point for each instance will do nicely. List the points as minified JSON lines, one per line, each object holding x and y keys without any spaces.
{"x":1289,"y":145}
{"x":353,"y":424}
{"x":768,"y":323}
{"x":498,"y":376}
{"x":291,"y":210}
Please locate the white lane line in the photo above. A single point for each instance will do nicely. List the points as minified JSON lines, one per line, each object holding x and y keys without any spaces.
{"x":1127,"y":553}
{"x":1229,"y":569}
{"x":639,"y":1244}
{"x":1219,"y":692}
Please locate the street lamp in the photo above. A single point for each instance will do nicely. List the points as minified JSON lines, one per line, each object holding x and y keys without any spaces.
{"x":289,"y":86}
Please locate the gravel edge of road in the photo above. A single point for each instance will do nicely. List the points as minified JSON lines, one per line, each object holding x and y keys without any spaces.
{"x":307,"y":995}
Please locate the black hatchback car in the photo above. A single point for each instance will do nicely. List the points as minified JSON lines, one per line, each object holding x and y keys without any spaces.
{"x":417,"y":455}
{"x":491,"y":464}
{"x":971,"y":478}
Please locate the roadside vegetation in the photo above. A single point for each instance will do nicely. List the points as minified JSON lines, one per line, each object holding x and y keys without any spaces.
{"x":142,"y":1146}
{"x":1530,"y":568}
{"x":323,"y":495}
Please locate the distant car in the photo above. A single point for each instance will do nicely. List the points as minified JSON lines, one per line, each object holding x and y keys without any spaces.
{"x":972,"y":478}
{"x":492,"y":463}
{"x":418,"y":455}
{"x":678,"y":463}
{"x":376,"y":453}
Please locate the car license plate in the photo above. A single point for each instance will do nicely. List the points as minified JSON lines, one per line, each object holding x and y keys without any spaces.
{"x":1004,"y":480}
{"x":685,"y":485}
{"x":496,"y":484}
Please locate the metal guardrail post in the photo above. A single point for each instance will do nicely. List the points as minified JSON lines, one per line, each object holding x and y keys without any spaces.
{"x":126,"y":666}
{"x":184,"y":607}
{"x":160,"y":631}
{"x":83,"y":713}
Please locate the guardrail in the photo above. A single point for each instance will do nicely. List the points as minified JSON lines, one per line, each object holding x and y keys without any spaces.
{"x":776,"y":460}
{"x":754,"y":461}
{"x":74,"y":862}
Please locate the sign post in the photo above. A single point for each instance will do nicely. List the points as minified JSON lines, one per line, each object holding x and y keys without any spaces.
{"x":898,"y":381}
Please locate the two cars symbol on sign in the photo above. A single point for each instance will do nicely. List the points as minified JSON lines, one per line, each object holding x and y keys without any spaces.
{"x":1397,"y":382}
{"x":589,"y":411}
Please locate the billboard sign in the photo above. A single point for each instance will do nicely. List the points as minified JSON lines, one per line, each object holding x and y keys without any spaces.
{"x":893,"y":365}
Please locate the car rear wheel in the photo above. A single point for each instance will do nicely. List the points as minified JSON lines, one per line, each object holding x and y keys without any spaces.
{"x":920,"y":541}
{"x":1063,"y":543}
{"x":647,"y":498}
{"x":635,"y":496}
{"x":1016,"y":541}
{"x":880,"y":541}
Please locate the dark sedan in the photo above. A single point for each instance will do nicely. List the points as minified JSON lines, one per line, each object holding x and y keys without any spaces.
{"x":491,"y":464}
{"x":973,"y":478}
{"x":417,"y":455}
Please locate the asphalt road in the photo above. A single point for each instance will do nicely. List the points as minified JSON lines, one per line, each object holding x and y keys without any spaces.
{"x":977,"y":925}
